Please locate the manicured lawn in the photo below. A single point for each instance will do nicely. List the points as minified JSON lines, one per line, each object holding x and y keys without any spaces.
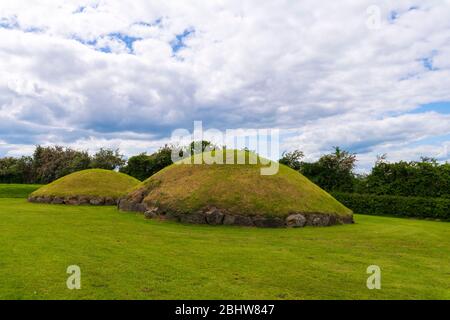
{"x":17,"y":190}
{"x":124,"y":256}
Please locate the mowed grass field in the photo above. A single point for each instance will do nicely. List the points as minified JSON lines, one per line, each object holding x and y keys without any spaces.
{"x":17,"y":190}
{"x":124,"y":256}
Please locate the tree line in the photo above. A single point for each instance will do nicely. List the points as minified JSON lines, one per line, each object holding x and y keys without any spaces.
{"x":50,"y":163}
{"x":334,"y":172}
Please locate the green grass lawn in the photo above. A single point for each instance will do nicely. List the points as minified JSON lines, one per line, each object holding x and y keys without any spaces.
{"x":123,"y":256}
{"x":17,"y":190}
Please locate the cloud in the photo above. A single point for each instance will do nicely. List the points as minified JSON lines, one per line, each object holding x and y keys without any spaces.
{"x":127,"y":74}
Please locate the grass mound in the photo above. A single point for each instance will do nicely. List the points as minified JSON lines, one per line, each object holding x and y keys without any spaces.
{"x":94,"y":186}
{"x":235,"y":194}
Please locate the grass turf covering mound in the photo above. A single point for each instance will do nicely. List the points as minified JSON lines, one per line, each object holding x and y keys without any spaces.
{"x":93,"y":186}
{"x":235,"y":194}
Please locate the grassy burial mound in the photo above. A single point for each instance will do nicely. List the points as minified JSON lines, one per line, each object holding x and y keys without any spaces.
{"x":94,"y":186}
{"x":235,"y":194}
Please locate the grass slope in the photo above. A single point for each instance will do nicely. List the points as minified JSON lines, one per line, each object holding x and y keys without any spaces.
{"x":17,"y":190}
{"x":240,"y":189}
{"x":123,"y":256}
{"x":92,"y":182}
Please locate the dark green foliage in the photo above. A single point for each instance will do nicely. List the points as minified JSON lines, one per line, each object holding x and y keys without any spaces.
{"x":414,"y":207}
{"x":138,"y":166}
{"x":47,"y":164}
{"x":107,"y":159}
{"x":292,"y":159}
{"x":143,"y":166}
{"x":161,"y":159}
{"x":200,"y":146}
{"x":332,"y":172}
{"x":426,"y":178}
{"x":16,"y":170}
{"x":51,"y":163}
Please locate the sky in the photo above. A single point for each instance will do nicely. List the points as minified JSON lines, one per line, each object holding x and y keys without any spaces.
{"x":370,"y":76}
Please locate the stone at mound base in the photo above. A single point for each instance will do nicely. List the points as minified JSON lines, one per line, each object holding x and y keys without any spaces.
{"x":76,"y":200}
{"x":215,"y":216}
{"x":235,"y":194}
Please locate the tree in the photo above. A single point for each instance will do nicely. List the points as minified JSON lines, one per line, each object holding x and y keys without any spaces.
{"x":203,"y":145}
{"x":161,"y":159}
{"x":138,"y":166}
{"x":292,"y":159}
{"x":143,"y":166}
{"x":51,"y":163}
{"x":332,"y":172}
{"x":107,"y":159}
{"x":425,"y":178}
{"x":16,"y":170}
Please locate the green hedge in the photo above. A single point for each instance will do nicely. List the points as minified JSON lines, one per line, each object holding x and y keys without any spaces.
{"x":415,"y":207}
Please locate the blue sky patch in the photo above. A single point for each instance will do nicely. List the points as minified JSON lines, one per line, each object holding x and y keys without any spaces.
{"x":80,"y":9}
{"x":428,"y":63}
{"x":8,"y":23}
{"x":178,"y":43}
{"x":128,"y":40}
{"x":393,"y":15}
{"x":439,"y":107}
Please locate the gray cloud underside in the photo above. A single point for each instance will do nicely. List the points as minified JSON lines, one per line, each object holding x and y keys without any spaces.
{"x":93,"y":73}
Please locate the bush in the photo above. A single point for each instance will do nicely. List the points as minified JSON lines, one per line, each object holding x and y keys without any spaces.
{"x":143,"y":166}
{"x":16,"y":170}
{"x":426,"y":178}
{"x":51,"y":163}
{"x":332,"y":172}
{"x":414,"y":207}
{"x":292,"y":159}
{"x":107,"y":159}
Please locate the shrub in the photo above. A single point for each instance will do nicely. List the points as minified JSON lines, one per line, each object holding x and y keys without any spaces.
{"x":51,"y":163}
{"x":426,"y":178}
{"x":107,"y":159}
{"x":16,"y":170}
{"x":415,"y":207}
{"x":143,"y":166}
{"x":332,"y":172}
{"x":292,"y":159}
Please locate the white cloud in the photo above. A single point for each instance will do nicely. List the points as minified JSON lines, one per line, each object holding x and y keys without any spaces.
{"x":312,"y":69}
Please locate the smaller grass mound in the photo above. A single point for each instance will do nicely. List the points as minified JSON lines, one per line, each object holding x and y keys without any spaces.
{"x":17,"y":190}
{"x":94,"y":186}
